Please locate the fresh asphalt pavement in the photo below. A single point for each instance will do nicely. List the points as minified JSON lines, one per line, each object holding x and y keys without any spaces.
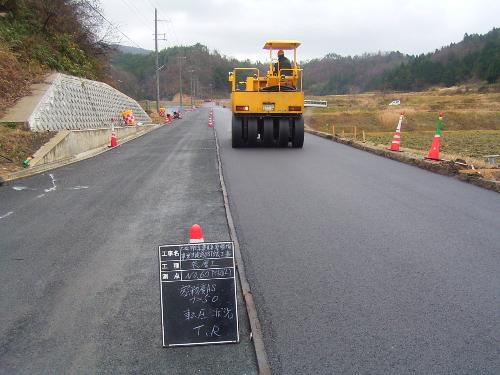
{"x":363,"y":265}
{"x":79,"y":258}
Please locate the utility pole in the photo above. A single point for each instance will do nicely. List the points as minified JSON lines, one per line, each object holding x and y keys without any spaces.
{"x":157,"y":68}
{"x":180,"y":80}
{"x":192,"y":87}
{"x":156,"y":64}
{"x":196,"y":85}
{"x":192,"y":92}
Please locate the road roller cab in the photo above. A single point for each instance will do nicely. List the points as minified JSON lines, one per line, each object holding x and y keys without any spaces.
{"x":267,"y":109}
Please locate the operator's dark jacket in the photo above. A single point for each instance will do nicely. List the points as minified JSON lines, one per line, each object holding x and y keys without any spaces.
{"x":284,"y":63}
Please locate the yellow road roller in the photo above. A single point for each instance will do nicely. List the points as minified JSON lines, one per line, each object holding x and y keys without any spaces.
{"x":267,"y":109}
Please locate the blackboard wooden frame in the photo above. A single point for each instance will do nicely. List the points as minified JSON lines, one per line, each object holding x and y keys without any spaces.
{"x":222,"y":255}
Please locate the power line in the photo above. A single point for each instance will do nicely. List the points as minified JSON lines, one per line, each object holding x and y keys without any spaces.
{"x":153,"y":5}
{"x":169,"y":28}
{"x":136,"y":11}
{"x":174,"y":34}
{"x":115,"y":27}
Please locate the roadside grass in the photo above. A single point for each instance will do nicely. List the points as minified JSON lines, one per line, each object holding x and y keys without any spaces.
{"x":30,"y":48}
{"x":17,"y":144}
{"x":468,"y":143}
{"x":15,"y":78}
{"x":471,"y":123}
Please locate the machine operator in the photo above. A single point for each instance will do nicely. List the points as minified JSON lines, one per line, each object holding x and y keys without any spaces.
{"x":283,"y":63}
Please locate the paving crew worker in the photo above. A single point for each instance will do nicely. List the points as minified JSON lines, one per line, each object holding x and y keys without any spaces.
{"x":284,"y":63}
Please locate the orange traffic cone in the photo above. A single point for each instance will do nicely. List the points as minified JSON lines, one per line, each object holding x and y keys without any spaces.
{"x":396,"y":140}
{"x":434,"y":150}
{"x":196,"y":234}
{"x":114,"y":141}
{"x":210,"y":120}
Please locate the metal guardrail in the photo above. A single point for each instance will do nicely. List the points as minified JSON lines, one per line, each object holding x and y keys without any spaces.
{"x":315,"y":103}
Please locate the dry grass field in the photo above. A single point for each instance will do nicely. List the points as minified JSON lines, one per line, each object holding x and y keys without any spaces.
{"x":471,"y":123}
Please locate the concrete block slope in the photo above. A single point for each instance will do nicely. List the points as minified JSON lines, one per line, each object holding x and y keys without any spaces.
{"x":73,"y":103}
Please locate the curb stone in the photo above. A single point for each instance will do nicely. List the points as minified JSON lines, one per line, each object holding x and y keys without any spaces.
{"x":255,"y":326}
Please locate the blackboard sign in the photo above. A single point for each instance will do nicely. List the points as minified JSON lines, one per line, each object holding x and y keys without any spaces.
{"x":198,"y":294}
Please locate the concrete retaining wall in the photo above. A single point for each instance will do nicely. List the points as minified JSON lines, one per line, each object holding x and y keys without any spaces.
{"x":69,"y":144}
{"x":68,"y":147}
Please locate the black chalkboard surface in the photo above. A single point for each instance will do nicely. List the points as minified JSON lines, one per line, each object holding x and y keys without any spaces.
{"x":198,"y":294}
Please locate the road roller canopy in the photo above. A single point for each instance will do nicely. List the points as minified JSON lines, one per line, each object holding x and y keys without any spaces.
{"x":281,"y":44}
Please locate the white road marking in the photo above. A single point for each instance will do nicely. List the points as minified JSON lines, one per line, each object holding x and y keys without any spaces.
{"x":21,"y":188}
{"x":7,"y":214}
{"x":54,"y":187}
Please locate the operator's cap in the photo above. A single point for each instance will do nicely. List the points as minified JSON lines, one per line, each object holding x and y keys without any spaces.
{"x":281,"y":53}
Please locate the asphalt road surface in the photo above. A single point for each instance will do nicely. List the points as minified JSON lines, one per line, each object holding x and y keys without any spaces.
{"x":79,"y":289}
{"x":363,"y":265}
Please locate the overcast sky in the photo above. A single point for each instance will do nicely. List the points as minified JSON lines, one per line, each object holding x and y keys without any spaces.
{"x":239,"y":28}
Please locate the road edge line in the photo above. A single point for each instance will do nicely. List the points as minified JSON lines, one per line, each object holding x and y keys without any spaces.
{"x":255,"y":326}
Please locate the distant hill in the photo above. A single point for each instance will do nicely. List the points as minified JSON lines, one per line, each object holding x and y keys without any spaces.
{"x":131,"y":50}
{"x":135,"y":74}
{"x":475,"y":58}
{"x":335,"y":74}
{"x":41,"y":36}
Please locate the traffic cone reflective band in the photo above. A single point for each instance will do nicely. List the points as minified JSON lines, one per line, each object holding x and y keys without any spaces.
{"x":434,"y":150}
{"x":114,"y":142}
{"x":396,"y":140}
{"x":210,"y":120}
{"x":196,"y":234}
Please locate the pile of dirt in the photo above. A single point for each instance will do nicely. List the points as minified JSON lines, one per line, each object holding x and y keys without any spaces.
{"x":17,"y":144}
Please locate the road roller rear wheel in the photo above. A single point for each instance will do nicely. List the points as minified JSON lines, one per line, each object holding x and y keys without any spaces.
{"x":237,"y":132}
{"x":298,"y":133}
{"x":252,"y":132}
{"x":284,"y":132}
{"x":267,"y":133}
